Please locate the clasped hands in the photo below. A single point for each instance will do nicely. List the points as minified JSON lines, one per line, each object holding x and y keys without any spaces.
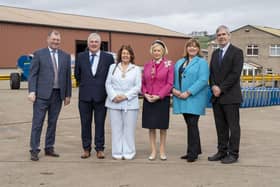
{"x":119,"y":98}
{"x":216,"y":90}
{"x":151,"y":98}
{"x":181,"y":95}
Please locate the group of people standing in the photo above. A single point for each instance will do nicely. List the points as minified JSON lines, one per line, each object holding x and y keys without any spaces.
{"x":114,"y":87}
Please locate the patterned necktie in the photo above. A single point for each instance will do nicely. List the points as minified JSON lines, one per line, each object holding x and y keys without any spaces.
{"x":220,"y":56}
{"x":55,"y":69}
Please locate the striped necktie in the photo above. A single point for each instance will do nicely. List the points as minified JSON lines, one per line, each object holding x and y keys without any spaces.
{"x":55,"y":69}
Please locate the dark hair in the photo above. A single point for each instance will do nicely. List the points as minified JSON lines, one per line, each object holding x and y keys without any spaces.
{"x":129,"y":49}
{"x":119,"y":55}
{"x":192,"y":42}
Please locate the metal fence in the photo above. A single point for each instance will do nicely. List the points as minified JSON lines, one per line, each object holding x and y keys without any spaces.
{"x":257,"y":97}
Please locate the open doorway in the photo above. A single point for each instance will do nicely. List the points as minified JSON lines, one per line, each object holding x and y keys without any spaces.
{"x":81,"y":45}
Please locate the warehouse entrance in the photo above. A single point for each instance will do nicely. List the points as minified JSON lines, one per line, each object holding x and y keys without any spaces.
{"x":81,"y":45}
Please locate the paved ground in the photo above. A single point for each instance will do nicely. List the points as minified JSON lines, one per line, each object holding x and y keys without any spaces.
{"x":259,"y":164}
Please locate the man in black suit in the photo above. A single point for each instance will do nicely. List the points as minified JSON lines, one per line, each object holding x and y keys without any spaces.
{"x":49,"y":84}
{"x":91,"y":71}
{"x":225,"y":70}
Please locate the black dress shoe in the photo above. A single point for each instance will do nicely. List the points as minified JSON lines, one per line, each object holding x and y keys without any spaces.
{"x":191,"y":159}
{"x":229,"y":159}
{"x":216,"y":157}
{"x":184,"y":157}
{"x":34,"y":157}
{"x":51,"y":153}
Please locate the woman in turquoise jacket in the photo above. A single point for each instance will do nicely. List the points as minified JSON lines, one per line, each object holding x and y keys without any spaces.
{"x":191,"y":75}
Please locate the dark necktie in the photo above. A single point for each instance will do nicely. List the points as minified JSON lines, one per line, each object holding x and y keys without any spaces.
{"x":55,"y":69}
{"x":92,"y":59}
{"x":220,"y":56}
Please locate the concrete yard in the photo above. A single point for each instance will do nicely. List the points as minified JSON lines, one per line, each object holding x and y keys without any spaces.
{"x":258,"y":166}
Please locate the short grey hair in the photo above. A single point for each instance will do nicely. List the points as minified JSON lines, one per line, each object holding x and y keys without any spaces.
{"x":94,"y":36}
{"x":55,"y":32}
{"x":224,"y":28}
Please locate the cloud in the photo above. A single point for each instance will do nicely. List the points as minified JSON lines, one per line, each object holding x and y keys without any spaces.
{"x":180,"y":15}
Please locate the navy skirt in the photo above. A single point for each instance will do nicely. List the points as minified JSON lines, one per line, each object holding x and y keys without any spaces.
{"x":156,"y":115}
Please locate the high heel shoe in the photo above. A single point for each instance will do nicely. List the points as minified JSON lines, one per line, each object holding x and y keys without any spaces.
{"x":163,"y":157}
{"x":152,"y":157}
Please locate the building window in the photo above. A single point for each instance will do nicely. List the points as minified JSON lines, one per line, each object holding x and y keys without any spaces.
{"x":274,"y":50}
{"x":252,"y":50}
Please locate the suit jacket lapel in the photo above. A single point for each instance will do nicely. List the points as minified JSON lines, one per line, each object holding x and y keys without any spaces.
{"x":87,"y":61}
{"x":162,"y":64}
{"x":227,"y":53}
{"x":49,"y":58}
{"x":99,"y":66}
{"x":216,"y":59}
{"x":191,"y":63}
{"x":60,"y":61}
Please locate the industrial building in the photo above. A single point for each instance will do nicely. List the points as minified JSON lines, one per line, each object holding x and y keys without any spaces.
{"x":22,"y":31}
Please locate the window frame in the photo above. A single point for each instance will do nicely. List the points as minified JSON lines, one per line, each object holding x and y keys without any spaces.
{"x":276,"y":47}
{"x":252,"y":47}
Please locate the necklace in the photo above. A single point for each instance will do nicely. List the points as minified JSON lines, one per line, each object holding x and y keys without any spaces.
{"x":124,"y":70}
{"x":123,"y":74}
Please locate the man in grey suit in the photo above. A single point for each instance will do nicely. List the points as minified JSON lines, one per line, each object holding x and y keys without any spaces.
{"x":49,"y":84}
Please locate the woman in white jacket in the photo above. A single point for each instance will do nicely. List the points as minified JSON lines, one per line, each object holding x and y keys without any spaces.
{"x":123,"y":85}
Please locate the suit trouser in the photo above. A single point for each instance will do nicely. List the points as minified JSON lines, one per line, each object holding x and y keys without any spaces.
{"x":87,"y":108}
{"x":228,"y":127}
{"x":123,"y":125}
{"x":194,"y":146}
{"x":40,"y":108}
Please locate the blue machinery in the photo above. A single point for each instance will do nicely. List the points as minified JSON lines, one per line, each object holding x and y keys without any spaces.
{"x":23,"y":65}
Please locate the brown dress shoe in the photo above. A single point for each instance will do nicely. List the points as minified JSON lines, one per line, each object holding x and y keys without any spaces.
{"x":100,"y":155}
{"x":85,"y":155}
{"x":51,"y":153}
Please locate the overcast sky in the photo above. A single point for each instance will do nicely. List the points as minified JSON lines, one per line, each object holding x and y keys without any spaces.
{"x":179,"y":15}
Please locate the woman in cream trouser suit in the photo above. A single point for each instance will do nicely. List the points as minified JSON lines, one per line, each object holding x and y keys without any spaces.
{"x":123,"y":85}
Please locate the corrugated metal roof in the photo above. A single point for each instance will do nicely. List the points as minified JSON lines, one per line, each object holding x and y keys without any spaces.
{"x":28,"y":16}
{"x":269,"y":30}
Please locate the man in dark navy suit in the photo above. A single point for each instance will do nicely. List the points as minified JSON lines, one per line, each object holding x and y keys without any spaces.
{"x":49,"y":85}
{"x":91,"y":71}
{"x":225,"y":70}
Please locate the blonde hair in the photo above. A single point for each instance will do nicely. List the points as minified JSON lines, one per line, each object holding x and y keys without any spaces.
{"x":161,"y":44}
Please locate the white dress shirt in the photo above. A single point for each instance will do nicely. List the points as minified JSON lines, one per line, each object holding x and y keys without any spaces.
{"x":95,"y":62}
{"x":55,"y":55}
{"x":225,"y":49}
